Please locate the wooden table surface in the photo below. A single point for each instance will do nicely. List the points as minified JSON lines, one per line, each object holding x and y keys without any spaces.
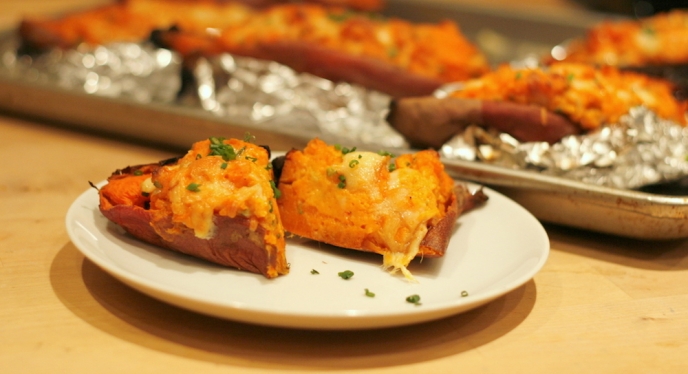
{"x":600,"y":304}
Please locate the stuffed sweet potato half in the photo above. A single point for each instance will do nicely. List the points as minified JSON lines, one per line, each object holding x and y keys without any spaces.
{"x":217,"y":203}
{"x":400,"y":207}
{"x":536,"y":104}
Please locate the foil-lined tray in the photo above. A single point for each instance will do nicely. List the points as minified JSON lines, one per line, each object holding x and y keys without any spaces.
{"x":135,"y":91}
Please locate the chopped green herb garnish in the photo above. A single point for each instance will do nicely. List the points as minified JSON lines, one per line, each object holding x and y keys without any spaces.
{"x":223,"y":165}
{"x":353,"y":163}
{"x":157,"y":184}
{"x":385,"y":153}
{"x":346,"y":274}
{"x":313,"y":271}
{"x":330,"y":171}
{"x":392,"y":167}
{"x":193,"y":187}
{"x":342,"y":181}
{"x":268,"y":166}
{"x":464,"y":293}
{"x":570,"y":77}
{"x":138,"y":172}
{"x":346,"y":150}
{"x":275,"y":190}
{"x":368,"y":293}
{"x":219,"y":148}
{"x":519,"y":75}
{"x":198,"y":156}
{"x":413,"y":299}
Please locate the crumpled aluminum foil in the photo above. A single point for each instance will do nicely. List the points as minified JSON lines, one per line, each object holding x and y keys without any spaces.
{"x":246,"y":90}
{"x":268,"y":93}
{"x":140,"y":72}
{"x":641,"y":149}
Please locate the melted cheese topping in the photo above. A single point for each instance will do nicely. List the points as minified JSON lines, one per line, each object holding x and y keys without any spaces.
{"x":403,"y":212}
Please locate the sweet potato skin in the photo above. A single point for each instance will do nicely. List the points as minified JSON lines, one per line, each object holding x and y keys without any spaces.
{"x":439,"y":233}
{"x":430,"y":122}
{"x":338,"y":66}
{"x":235,"y":245}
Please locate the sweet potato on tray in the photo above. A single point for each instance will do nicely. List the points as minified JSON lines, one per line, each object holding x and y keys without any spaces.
{"x":334,"y":42}
{"x":389,"y":55}
{"x":400,"y":208}
{"x":536,"y":104}
{"x":216,"y":203}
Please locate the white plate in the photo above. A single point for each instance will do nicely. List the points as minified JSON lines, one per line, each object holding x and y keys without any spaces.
{"x":494,"y":250}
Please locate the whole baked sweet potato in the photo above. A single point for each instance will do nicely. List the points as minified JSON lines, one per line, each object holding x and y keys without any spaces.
{"x":216,"y":203}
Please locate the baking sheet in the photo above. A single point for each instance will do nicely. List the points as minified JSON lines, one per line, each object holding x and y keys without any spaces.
{"x":504,"y":36}
{"x":629,"y":213}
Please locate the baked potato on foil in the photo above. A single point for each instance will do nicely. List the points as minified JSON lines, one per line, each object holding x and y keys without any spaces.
{"x":536,"y":104}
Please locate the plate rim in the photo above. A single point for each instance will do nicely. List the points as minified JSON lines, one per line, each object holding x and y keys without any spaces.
{"x":342,"y":320}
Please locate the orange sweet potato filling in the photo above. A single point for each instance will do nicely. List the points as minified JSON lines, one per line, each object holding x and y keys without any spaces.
{"x":124,"y":191}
